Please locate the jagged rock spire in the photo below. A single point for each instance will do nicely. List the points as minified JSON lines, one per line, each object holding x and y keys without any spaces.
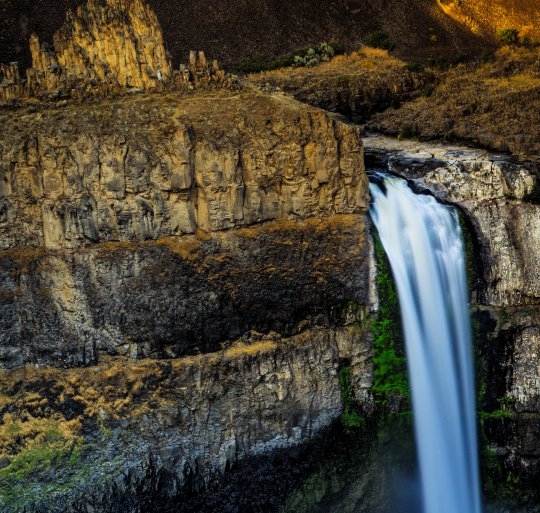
{"x":108,"y":41}
{"x":106,"y":46}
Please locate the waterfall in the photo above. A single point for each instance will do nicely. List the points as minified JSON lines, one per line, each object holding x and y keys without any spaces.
{"x":422,"y":239}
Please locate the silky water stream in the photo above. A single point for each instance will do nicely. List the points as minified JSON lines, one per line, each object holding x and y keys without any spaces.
{"x":422,"y":240}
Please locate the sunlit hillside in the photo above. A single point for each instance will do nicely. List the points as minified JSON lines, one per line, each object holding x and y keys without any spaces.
{"x":490,"y":17}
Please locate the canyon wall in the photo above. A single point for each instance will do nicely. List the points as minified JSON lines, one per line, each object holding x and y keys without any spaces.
{"x":182,"y":424}
{"x":181,"y":279}
{"x":85,"y":191}
{"x":183,"y":275}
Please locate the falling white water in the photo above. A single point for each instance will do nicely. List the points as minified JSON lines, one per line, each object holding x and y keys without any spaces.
{"x":422,"y":239}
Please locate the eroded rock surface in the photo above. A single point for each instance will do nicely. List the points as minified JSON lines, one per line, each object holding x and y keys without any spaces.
{"x":179,"y":296}
{"x":183,"y":423}
{"x":144,"y":170}
{"x":165,"y":226}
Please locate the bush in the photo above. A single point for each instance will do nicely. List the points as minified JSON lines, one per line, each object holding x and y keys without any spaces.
{"x":509,"y":36}
{"x":379,"y":40}
{"x":313,"y":56}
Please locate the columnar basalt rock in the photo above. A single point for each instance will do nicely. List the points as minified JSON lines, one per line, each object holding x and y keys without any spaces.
{"x":11,"y":86}
{"x":106,"y":41}
{"x":106,"y":46}
{"x":67,"y":185}
{"x":87,"y":193}
{"x":166,"y":226}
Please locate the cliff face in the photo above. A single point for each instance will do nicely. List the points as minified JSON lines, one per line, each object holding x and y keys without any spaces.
{"x":498,"y":196}
{"x":144,"y":170}
{"x":157,"y":170}
{"x":181,"y":424}
{"x":163,"y":227}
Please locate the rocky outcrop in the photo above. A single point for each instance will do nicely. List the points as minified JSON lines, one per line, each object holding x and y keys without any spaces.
{"x":499,"y":197}
{"x":185,"y":422}
{"x":105,"y":47}
{"x":104,"y":41}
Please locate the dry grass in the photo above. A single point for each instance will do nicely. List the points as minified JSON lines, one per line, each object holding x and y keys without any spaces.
{"x":494,"y":104}
{"x":242,"y":349}
{"x":353,"y":64}
{"x":358,"y":84}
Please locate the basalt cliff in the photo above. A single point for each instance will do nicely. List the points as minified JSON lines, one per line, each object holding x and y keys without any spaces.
{"x":164,"y":227}
{"x":187,"y":270}
{"x":183,"y":274}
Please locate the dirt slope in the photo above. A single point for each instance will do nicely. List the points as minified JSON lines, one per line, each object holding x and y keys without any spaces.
{"x":489,"y":16}
{"x":235,"y":30}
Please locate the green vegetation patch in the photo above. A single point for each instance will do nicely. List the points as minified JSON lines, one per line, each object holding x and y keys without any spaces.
{"x":391,"y":385}
{"x":513,"y":37}
{"x":350,"y":418}
{"x":308,"y":56}
{"x":313,"y":56}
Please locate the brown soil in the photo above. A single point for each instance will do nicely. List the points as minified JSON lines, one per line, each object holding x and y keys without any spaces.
{"x":238,"y":30}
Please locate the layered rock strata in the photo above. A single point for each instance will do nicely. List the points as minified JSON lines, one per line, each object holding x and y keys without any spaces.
{"x":261,"y":228}
{"x":160,"y":227}
{"x":109,"y":181}
{"x":499,"y":197}
{"x":183,"y":423}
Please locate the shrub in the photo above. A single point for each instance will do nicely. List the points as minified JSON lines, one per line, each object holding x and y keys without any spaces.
{"x":313,"y":56}
{"x":379,"y":39}
{"x":509,"y":36}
